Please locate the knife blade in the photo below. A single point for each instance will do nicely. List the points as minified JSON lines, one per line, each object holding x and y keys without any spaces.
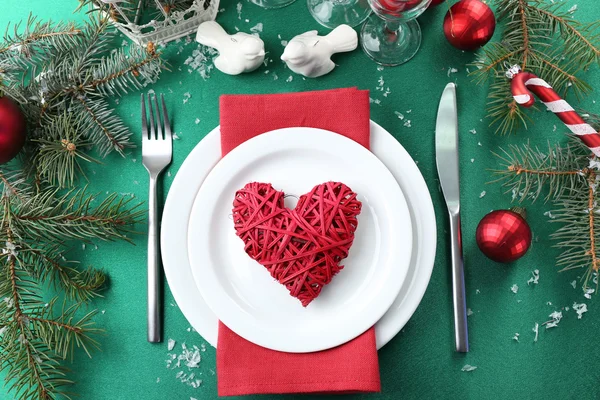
{"x":446,"y":153}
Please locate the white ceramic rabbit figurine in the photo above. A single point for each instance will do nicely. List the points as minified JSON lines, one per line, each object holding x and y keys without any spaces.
{"x":238,"y":53}
{"x":309,"y":54}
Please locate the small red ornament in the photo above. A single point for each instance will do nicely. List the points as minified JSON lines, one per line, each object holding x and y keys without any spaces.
{"x":504,"y":235}
{"x":435,"y":3}
{"x":12,"y":129}
{"x":469,"y":24}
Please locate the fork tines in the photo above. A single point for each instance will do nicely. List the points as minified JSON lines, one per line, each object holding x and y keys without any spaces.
{"x":157,"y":131}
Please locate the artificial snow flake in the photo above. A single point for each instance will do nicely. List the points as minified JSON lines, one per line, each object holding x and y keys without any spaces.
{"x":468,"y":368}
{"x":10,"y":249}
{"x":588,"y":293}
{"x":580,"y":309}
{"x":407,"y":123}
{"x":472,"y":160}
{"x":473,"y":131}
{"x":238,"y":8}
{"x":594,"y":164}
{"x":186,"y":97}
{"x":289,"y":79}
{"x":10,"y":302}
{"x":469,"y":312}
{"x":399,"y":114}
{"x":536,"y":330}
{"x":191,"y":357}
{"x":201,"y":60}
{"x":516,"y":337}
{"x":171,"y":344}
{"x":514,"y":288}
{"x":553,"y":323}
{"x":197,"y":121}
{"x":573,"y":9}
{"x":452,"y":71}
{"x":482,"y":194}
{"x":535,"y":278}
{"x":574,"y":284}
{"x":257,"y":28}
{"x":549,"y":215}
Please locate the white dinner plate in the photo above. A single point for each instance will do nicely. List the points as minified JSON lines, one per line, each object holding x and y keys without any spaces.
{"x":242,"y":293}
{"x":189,"y":179}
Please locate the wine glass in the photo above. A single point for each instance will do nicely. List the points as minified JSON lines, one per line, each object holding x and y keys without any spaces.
{"x":272,"y":3}
{"x":392,"y":36}
{"x":331,"y":13}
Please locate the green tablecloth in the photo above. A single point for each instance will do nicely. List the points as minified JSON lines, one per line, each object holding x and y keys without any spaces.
{"x":420,"y":361}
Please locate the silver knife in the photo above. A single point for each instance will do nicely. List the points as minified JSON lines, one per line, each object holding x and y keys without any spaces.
{"x":446,"y":154}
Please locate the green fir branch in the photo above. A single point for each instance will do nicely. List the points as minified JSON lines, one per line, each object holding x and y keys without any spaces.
{"x":60,"y":150}
{"x":72,"y":216}
{"x":529,"y":173}
{"x":543,"y":39}
{"x":48,"y":264}
{"x":62,"y":77}
{"x":569,"y":177}
{"x":103,"y":127}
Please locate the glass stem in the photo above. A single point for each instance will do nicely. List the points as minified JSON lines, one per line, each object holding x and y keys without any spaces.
{"x":392,"y":30}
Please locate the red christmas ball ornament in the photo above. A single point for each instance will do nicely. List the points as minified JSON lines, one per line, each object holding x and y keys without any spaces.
{"x":469,"y":24}
{"x":12,"y":129}
{"x":435,"y":3}
{"x":504,"y":235}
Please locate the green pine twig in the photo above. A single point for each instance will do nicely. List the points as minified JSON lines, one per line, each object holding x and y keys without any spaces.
{"x":542,"y":38}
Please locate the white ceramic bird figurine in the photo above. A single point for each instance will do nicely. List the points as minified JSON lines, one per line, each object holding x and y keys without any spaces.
{"x":238,"y":53}
{"x":309,"y":54}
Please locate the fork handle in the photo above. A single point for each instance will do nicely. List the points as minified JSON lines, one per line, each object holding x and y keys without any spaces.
{"x":154,"y":318}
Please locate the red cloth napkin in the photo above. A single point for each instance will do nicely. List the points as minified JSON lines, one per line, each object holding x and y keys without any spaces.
{"x":246,"y":368}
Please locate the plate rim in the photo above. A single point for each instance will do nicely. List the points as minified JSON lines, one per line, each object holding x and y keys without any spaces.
{"x":342,"y":327}
{"x":207,"y":152}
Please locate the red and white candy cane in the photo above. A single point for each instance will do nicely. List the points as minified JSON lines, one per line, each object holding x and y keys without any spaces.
{"x":522,"y":86}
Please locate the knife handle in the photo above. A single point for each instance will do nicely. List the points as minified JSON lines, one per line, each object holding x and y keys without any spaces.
{"x":461,"y":333}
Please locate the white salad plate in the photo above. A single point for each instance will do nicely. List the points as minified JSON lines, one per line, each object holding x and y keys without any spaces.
{"x":189,"y":181}
{"x":242,"y":293}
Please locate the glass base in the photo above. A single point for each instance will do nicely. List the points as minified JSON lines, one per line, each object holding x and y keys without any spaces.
{"x":272,"y":3}
{"x":332,"y":13}
{"x":390,"y":43}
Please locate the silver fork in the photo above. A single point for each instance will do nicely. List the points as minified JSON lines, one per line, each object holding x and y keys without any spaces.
{"x":157,"y":149}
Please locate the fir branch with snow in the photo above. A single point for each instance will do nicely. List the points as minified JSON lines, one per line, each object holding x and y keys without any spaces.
{"x":61,"y":75}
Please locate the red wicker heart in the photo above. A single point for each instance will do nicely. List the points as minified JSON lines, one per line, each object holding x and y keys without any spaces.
{"x":301,"y":248}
